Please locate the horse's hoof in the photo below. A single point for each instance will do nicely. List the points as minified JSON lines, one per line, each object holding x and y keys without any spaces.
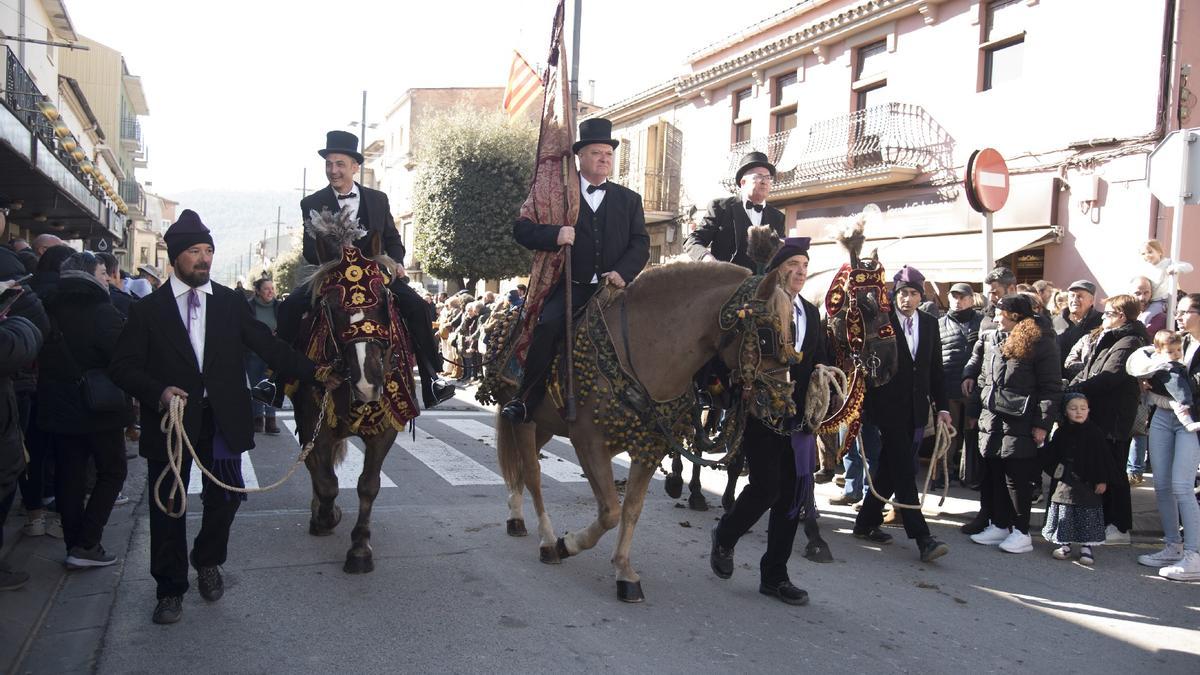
{"x":358,"y":564}
{"x":630,"y":591}
{"x":319,"y":527}
{"x":560,"y":548}
{"x":549,"y":555}
{"x":697,"y":502}
{"x":516,"y":527}
{"x":727,"y":502}
{"x":818,"y":552}
{"x":674,"y":485}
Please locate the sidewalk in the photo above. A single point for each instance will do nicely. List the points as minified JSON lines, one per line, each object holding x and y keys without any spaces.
{"x":56,"y":622}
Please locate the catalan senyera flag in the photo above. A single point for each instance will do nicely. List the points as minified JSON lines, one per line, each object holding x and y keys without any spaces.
{"x":523,"y":88}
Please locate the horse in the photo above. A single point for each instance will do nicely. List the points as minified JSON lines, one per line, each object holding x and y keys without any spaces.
{"x":355,"y":330}
{"x":636,"y":390}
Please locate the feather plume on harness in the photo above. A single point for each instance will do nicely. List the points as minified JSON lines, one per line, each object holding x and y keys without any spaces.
{"x":851,"y":237}
{"x":338,"y":230}
{"x":762,"y":243}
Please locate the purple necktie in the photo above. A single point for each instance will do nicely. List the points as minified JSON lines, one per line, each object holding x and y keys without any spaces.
{"x":193,"y":306}
{"x":908,"y":332}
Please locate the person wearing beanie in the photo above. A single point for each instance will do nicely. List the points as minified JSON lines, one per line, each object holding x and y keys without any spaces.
{"x":374,"y":213}
{"x":722,"y":235}
{"x":900,"y":409}
{"x":187,"y":339}
{"x":959,"y":331}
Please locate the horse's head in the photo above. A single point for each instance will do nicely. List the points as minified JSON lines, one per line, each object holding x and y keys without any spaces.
{"x":858,"y":308}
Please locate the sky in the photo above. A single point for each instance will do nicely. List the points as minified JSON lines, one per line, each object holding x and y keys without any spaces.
{"x":241,"y":93}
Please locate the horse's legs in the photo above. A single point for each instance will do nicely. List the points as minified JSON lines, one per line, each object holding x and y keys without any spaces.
{"x":597,"y":466}
{"x":320,"y":462}
{"x":509,"y":438}
{"x":696,"y":500}
{"x":734,"y":471}
{"x":358,"y":558}
{"x":674,"y":482}
{"x":629,"y":585}
{"x":533,"y":481}
{"x":817,"y":549}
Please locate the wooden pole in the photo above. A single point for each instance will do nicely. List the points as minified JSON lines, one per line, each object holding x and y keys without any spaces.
{"x":569,"y":340}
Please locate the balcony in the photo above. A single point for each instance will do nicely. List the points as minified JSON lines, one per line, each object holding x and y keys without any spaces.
{"x":131,"y":133}
{"x":881,"y":145}
{"x":133,"y":196}
{"x":659,"y":189}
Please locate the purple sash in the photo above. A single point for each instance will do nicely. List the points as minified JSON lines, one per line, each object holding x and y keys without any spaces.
{"x":804,"y":450}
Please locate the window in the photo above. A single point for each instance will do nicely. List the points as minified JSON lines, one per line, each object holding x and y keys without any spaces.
{"x":785,"y":89}
{"x":741,"y":116}
{"x":655,"y":255}
{"x":870,"y":59}
{"x":784,"y":120}
{"x":783,"y":102}
{"x":870,"y":96}
{"x":1002,"y":52}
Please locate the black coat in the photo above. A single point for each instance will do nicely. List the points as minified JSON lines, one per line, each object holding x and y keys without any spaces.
{"x":121,"y":300}
{"x":815,"y":350}
{"x":374,"y":212}
{"x":20,"y":341}
{"x":723,"y":232}
{"x":959,"y":331}
{"x":626,"y":246}
{"x":1112,"y":393}
{"x":83,"y":336}
{"x":28,"y":306}
{"x":1083,"y":452}
{"x":903,"y":403}
{"x":1069,"y":331}
{"x":1035,"y":375}
{"x":154,"y":352}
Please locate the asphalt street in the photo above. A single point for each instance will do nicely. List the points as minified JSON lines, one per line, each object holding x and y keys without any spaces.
{"x":451,"y":592}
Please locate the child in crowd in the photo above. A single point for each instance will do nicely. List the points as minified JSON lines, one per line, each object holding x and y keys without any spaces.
{"x":1079,"y":460}
{"x":1158,"y":267}
{"x":1169,"y":387}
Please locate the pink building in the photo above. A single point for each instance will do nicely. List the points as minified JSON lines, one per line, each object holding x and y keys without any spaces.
{"x":881,"y":102}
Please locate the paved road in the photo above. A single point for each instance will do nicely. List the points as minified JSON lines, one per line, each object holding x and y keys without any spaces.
{"x":452,"y":593}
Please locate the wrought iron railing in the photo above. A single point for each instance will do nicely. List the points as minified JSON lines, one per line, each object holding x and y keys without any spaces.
{"x":131,"y":129}
{"x":892,"y":135}
{"x":133,"y":195}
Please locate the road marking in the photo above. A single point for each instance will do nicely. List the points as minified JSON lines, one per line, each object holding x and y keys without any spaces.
{"x":351,"y":467}
{"x":555,"y":467}
{"x":453,"y":466}
{"x":195,"y":478}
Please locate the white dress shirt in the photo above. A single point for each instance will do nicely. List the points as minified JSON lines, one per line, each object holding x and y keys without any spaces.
{"x":911,"y":327}
{"x":755,"y":215}
{"x":801,"y":323}
{"x":199,"y":316}
{"x":594,"y":199}
{"x":351,"y":202}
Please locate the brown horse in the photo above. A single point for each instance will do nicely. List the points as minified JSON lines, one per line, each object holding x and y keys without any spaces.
{"x":693,"y":300}
{"x":355,"y":330}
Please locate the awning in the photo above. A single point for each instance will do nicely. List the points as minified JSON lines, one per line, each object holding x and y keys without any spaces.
{"x":945,"y":258}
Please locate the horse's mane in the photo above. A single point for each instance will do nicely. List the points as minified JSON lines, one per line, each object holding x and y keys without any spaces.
{"x":685,"y":277}
{"x":317,"y":277}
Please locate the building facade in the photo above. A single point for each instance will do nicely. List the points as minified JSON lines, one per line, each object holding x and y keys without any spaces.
{"x":873,"y":107}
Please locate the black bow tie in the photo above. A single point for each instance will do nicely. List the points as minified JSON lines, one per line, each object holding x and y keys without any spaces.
{"x":593,"y":188}
{"x":752,"y":205}
{"x":349,"y":196}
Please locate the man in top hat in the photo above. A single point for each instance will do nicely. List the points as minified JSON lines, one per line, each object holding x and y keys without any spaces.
{"x":374,"y":213}
{"x":900,"y":409}
{"x":780,"y":466}
{"x":609,"y":243}
{"x":722,"y":234}
{"x":188,"y":339}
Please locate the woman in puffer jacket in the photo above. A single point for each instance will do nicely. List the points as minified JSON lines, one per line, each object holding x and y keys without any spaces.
{"x":1018,"y":374}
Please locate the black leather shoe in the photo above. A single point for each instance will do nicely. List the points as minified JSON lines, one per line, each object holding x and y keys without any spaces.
{"x":931,"y":549}
{"x":437,"y":392}
{"x":212,"y":587}
{"x":974,"y":526}
{"x":720,"y":558}
{"x":785,"y":591}
{"x":873,"y":535}
{"x":515,"y":411}
{"x":168,"y":609}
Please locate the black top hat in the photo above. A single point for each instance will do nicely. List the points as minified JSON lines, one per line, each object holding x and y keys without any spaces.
{"x":342,"y":142}
{"x":750,"y":161}
{"x":595,"y":130}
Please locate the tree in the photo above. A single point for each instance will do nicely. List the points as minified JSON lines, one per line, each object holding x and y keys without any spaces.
{"x":286,"y":267}
{"x":473,"y":173}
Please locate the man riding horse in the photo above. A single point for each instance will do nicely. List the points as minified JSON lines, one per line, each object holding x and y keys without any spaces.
{"x":608,"y":242}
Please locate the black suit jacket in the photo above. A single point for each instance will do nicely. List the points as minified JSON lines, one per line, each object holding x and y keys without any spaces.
{"x":904,"y":401}
{"x":815,"y":351}
{"x":626,"y":247}
{"x":374,"y":212}
{"x":723,"y":231}
{"x":154,"y":352}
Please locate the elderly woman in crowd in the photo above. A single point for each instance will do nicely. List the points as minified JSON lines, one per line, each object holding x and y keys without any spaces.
{"x":448,"y":323}
{"x":1017,"y":374}
{"x":84,"y":330}
{"x":1113,"y":396}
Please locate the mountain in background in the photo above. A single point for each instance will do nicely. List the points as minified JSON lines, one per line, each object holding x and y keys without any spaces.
{"x":237,"y":219}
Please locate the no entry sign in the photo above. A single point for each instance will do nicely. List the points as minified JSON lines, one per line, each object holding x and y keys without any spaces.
{"x":987,"y":181}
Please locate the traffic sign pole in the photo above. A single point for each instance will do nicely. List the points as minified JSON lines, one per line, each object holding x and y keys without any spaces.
{"x":987,"y":246}
{"x":1177,"y":223}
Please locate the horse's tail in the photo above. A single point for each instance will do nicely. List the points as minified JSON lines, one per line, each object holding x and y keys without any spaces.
{"x":508,"y":452}
{"x":339,"y":452}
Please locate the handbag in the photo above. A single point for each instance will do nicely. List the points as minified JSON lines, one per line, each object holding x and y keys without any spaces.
{"x":1007,"y":403}
{"x":100,"y":394}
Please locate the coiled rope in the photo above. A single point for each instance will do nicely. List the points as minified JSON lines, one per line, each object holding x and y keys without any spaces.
{"x":177,"y":440}
{"x":943,"y":436}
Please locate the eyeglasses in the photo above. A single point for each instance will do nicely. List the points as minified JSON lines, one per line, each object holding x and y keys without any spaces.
{"x":1181,"y":312}
{"x":1112,"y":313}
{"x":760,"y":177}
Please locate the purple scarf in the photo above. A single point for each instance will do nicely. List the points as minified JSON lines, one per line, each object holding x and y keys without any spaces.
{"x":804,"y":450}
{"x":227,"y":465}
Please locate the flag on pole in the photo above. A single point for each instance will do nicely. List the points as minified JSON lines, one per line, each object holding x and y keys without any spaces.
{"x":523,"y":88}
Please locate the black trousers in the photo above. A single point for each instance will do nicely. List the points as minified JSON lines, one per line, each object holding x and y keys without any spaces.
{"x":1118,"y":505}
{"x":35,"y":479}
{"x":83,"y":523}
{"x":1009,"y":487}
{"x":168,"y":536}
{"x":895,"y":475}
{"x":409,"y":305}
{"x":772,"y":487}
{"x":547,"y":334}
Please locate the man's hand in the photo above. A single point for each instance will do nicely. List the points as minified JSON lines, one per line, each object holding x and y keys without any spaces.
{"x":169,"y":393}
{"x":1100,"y":488}
{"x":968,"y":386}
{"x":708,"y":257}
{"x":944,"y":418}
{"x":614,"y":279}
{"x":1039,"y":436}
{"x":566,"y":235}
{"x":332,"y":381}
